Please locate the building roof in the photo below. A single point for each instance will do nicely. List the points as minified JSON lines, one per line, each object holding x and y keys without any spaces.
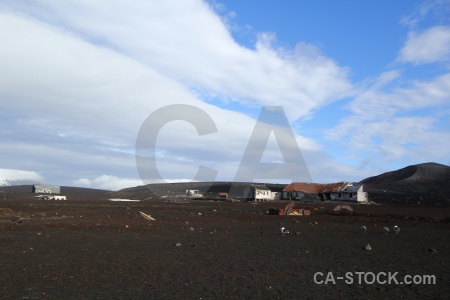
{"x":315,"y":188}
{"x":333,"y":187}
{"x":260,"y":187}
{"x":304,"y":187}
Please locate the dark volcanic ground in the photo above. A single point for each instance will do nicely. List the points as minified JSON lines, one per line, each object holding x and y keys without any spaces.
{"x":99,"y":249}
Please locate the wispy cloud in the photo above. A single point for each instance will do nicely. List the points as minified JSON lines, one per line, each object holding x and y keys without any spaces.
{"x":107,"y":182}
{"x":172,"y":39}
{"x":387,"y":126}
{"x":429,"y":46}
{"x":12,"y":174}
{"x":114,"y":183}
{"x":83,"y":79}
{"x":79,"y":78}
{"x":439,"y":9}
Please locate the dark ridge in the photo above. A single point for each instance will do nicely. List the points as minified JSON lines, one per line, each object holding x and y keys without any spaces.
{"x":209,"y":190}
{"x":26,"y":188}
{"x":424,"y":184}
{"x":420,"y":172}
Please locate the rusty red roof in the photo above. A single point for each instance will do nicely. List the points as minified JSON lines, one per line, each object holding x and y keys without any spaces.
{"x":333,"y":187}
{"x":315,"y":188}
{"x":304,"y":187}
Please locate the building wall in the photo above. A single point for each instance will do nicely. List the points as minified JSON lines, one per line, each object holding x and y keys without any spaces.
{"x":362,"y":197}
{"x":293,"y":195}
{"x":357,"y":196}
{"x":254,"y":193}
{"x":276,"y":195}
{"x":300,"y":196}
{"x":263,"y":194}
{"x":46,"y":189}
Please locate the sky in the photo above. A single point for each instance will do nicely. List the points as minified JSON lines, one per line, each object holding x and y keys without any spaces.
{"x":118,"y":94}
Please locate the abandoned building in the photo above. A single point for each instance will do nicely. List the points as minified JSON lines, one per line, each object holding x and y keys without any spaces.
{"x":341,"y":191}
{"x":257,"y":192}
{"x":46,"y":189}
{"x":344,"y":191}
{"x":301,"y":191}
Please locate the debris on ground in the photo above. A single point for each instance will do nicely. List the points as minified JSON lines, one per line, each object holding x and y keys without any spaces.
{"x":289,"y":210}
{"x":342,"y":209}
{"x":145,"y":216}
{"x":6,"y":212}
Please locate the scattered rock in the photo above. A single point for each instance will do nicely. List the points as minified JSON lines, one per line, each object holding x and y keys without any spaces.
{"x":178,"y":245}
{"x":431,"y":250}
{"x":368,"y":247}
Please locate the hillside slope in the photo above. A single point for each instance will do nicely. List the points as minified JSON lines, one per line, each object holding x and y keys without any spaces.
{"x":209,"y":190}
{"x":427,"y":183}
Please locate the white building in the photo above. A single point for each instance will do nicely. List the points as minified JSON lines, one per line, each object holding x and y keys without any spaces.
{"x":340,"y":191}
{"x":257,"y":192}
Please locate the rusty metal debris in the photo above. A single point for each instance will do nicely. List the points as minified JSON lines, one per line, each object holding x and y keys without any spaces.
{"x":290,"y":210}
{"x":6,"y":212}
{"x":339,"y":208}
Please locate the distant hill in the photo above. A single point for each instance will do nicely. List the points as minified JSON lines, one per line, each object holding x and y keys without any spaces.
{"x":72,"y":193}
{"x":426,"y":184}
{"x":23,"y":188}
{"x":209,"y":190}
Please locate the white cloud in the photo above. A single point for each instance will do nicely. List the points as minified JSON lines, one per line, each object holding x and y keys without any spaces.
{"x":107,"y":182}
{"x":388,"y":126}
{"x":114,"y":183}
{"x":12,"y":174}
{"x":432,"y":45}
{"x":80,"y":77}
{"x":173,"y":39}
{"x":83,"y":182}
{"x":72,"y":99}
